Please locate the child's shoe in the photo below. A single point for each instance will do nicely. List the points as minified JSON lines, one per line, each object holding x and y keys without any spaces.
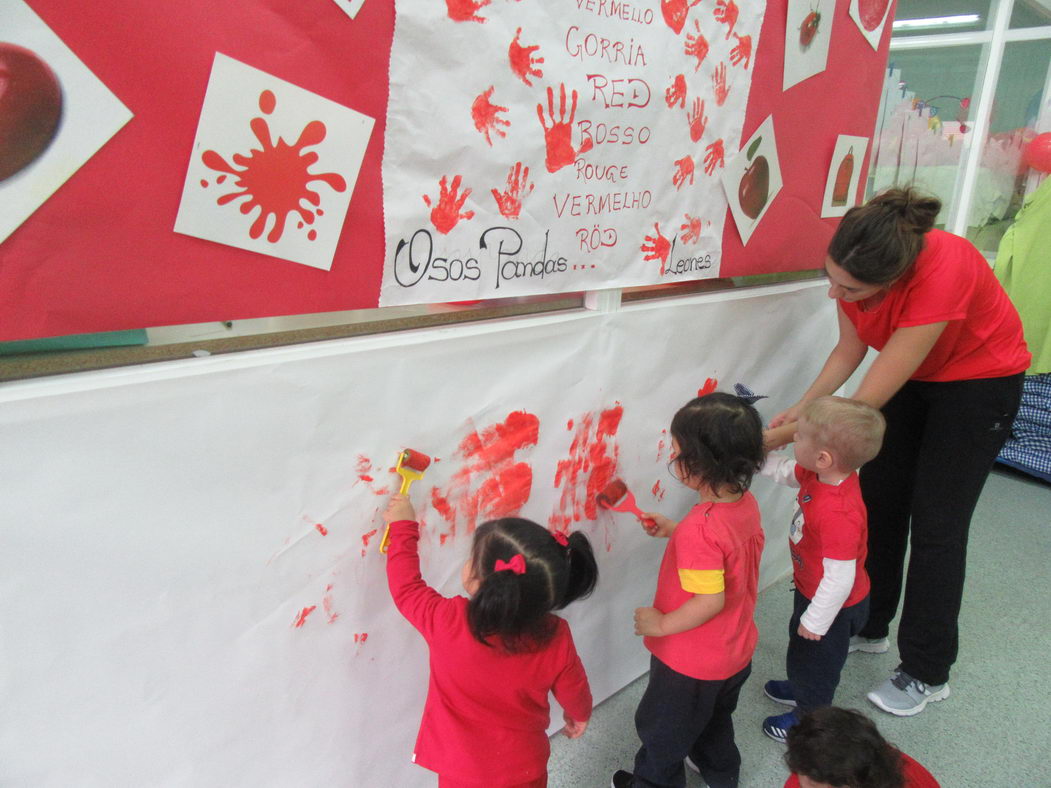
{"x":905,"y":696}
{"x":622,"y":779}
{"x":777,"y":727}
{"x":780,"y":692}
{"x":868,"y":645}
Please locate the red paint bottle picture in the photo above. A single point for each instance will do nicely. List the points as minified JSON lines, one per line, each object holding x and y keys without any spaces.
{"x":843,"y":176}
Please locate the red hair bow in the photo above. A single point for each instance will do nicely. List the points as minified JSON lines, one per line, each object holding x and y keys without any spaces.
{"x":516,"y":565}
{"x":561,"y":538}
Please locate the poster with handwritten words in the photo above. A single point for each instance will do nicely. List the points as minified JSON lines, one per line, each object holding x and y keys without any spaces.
{"x":580,"y":148}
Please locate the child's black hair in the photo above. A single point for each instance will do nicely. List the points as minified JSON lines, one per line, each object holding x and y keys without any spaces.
{"x":720,"y":439}
{"x":842,"y":747}
{"x":516,"y":608}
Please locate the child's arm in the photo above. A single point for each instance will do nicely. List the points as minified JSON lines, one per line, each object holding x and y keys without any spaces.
{"x":412,"y":596}
{"x":781,"y":468}
{"x":572,"y":691}
{"x":697,"y":610}
{"x":833,"y":590}
{"x":662,"y":527}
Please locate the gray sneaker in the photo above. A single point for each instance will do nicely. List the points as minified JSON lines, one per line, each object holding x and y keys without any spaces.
{"x":868,"y":645}
{"x":905,"y":696}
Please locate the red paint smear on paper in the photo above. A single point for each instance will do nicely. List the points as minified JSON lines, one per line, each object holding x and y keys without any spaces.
{"x":365,"y":541}
{"x":657,"y":490}
{"x":590,"y":466}
{"x":709,"y":386}
{"x":326,"y":603}
{"x":489,"y":483}
{"x":361,"y":637}
{"x":301,"y":619}
{"x":321,"y":529}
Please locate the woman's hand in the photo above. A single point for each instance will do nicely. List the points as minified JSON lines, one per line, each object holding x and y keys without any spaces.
{"x":787,"y":416}
{"x":399,"y":507}
{"x":661,"y":526}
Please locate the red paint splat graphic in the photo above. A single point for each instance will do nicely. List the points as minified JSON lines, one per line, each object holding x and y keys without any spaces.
{"x":696,"y":45}
{"x":590,"y":466}
{"x":489,"y":458}
{"x":683,"y":170}
{"x":559,"y":135}
{"x":656,"y":247}
{"x":710,"y":385}
{"x":445,"y":215}
{"x":465,"y":10}
{"x":714,"y":156}
{"x":484,"y":114}
{"x":510,"y":200}
{"x":365,"y":541}
{"x":301,"y":619}
{"x":719,"y":87}
{"x":276,"y":178}
{"x":675,"y":11}
{"x":522,"y":59}
{"x":321,"y":529}
{"x":726,"y":12}
{"x":676,"y":92}
{"x":657,"y":490}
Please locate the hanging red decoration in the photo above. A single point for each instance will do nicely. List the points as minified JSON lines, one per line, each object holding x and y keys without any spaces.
{"x":1038,"y":152}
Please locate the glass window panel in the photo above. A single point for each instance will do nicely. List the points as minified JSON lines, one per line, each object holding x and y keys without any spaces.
{"x":923,"y":120}
{"x":1031,"y":13}
{"x":930,"y":17}
{"x":1003,"y":180}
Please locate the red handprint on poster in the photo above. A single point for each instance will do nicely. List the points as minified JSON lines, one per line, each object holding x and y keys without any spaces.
{"x":696,"y":45}
{"x":445,"y":215}
{"x":522,"y":60}
{"x":719,"y":85}
{"x":657,"y":247}
{"x":465,"y":10}
{"x":676,"y":92}
{"x":510,"y":200}
{"x":742,"y":52}
{"x":675,"y":12}
{"x":683,"y":170}
{"x":559,"y":135}
{"x":714,"y":156}
{"x":691,"y":229}
{"x":726,"y":12}
{"x":484,"y":114}
{"x":698,"y":120}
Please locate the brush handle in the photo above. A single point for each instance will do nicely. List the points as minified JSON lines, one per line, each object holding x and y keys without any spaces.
{"x":406,"y":482}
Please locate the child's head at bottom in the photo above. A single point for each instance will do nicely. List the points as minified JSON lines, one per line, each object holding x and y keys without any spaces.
{"x":718,"y":442}
{"x":841,"y":748}
{"x":518,"y":573}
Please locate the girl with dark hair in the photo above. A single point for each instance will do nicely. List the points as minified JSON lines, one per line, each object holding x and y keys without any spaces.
{"x":700,"y":630}
{"x":948,"y":379}
{"x":495,"y":657}
{"x":840,"y":748}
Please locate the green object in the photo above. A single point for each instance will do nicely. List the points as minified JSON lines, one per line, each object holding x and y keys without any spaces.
{"x":1023,"y":266}
{"x":75,"y":342}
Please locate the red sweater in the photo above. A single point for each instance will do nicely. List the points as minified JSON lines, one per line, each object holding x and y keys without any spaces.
{"x":487,"y":711}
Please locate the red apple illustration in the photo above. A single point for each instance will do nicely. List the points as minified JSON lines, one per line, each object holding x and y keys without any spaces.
{"x":808,"y":29}
{"x":754,"y":187}
{"x":872,"y":12}
{"x":30,"y":108}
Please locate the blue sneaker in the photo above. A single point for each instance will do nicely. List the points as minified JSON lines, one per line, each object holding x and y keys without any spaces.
{"x":777,"y":727}
{"x":780,"y":692}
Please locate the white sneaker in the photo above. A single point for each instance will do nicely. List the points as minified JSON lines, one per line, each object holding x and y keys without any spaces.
{"x":904,"y":696}
{"x":868,"y":645}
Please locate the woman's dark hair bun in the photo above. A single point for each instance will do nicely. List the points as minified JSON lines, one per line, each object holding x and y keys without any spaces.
{"x":918,"y":211}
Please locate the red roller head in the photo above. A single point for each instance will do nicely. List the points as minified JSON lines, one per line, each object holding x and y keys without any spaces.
{"x":416,"y":460}
{"x":612,"y":493}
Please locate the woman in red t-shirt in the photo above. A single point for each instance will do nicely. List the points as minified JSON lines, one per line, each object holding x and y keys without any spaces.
{"x":948,"y":378}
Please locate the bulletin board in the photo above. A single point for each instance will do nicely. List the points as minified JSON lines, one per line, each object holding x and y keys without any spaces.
{"x":275,"y":157}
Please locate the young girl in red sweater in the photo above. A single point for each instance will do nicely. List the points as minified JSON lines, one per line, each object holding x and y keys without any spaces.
{"x":495,"y":656}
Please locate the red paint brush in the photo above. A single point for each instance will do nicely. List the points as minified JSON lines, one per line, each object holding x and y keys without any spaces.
{"x":411,"y":465}
{"x":618,"y":498}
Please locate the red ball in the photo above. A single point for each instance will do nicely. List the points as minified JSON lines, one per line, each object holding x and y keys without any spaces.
{"x":30,"y":108}
{"x":1038,"y":152}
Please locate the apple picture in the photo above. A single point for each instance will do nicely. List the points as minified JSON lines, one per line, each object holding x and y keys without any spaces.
{"x":872,"y":12}
{"x":30,"y":108}
{"x":809,"y":28}
{"x":754,"y":188}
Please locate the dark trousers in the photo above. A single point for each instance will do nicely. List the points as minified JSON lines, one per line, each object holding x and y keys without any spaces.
{"x":680,"y":716}
{"x":940,"y":444}
{"x":814,"y":665}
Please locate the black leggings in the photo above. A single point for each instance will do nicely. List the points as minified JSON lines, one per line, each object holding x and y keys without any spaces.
{"x":941,"y":442}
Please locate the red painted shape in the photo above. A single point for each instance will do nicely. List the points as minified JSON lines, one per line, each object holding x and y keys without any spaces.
{"x":590,"y":466}
{"x":657,"y":490}
{"x":522,"y":59}
{"x":301,"y":619}
{"x":485,"y":113}
{"x":275,"y":178}
{"x":558,"y":137}
{"x":326,"y":603}
{"x":465,"y":10}
{"x":321,"y":529}
{"x":710,"y":384}
{"x":445,"y":214}
{"x":365,"y":477}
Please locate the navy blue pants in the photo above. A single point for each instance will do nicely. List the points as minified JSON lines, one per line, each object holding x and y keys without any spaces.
{"x":814,"y":665}
{"x":680,"y":716}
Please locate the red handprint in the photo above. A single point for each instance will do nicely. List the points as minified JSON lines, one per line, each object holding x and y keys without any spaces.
{"x":697,"y":45}
{"x":719,"y":85}
{"x":676,"y":92}
{"x":691,"y":229}
{"x":684,"y":171}
{"x":657,"y":247}
{"x":484,"y":114}
{"x":446,"y":214}
{"x":675,"y":12}
{"x":464,"y":10}
{"x":698,"y":120}
{"x":559,"y":136}
{"x":713,"y":156}
{"x":743,"y":50}
{"x":522,"y":60}
{"x":510,"y":201}
{"x":726,"y":12}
